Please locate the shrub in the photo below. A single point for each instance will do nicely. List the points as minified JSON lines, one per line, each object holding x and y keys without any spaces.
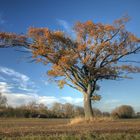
{"x":106,"y":114}
{"x":124,"y":111}
{"x":138,"y":114}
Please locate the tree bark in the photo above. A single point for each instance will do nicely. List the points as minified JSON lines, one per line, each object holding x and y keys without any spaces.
{"x":87,"y":104}
{"x":87,"y":107}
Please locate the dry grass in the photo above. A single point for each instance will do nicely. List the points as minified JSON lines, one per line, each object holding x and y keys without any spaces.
{"x":76,"y":120}
{"x":79,"y":120}
{"x":49,"y":127}
{"x":102,"y":119}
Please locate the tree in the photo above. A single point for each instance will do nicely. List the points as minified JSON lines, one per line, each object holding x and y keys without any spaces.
{"x":96,"y":54}
{"x":32,"y":107}
{"x":124,"y":111}
{"x":57,"y":109}
{"x":3,"y":100}
{"x":42,"y":108}
{"x":78,"y":111}
{"x":68,"y":110}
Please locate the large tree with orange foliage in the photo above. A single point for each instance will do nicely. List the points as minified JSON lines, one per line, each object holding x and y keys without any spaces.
{"x":95,"y":54}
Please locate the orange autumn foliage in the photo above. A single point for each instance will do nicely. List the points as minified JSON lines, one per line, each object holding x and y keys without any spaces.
{"x":95,"y":54}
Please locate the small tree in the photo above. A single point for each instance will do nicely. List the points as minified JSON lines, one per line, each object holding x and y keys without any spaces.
{"x":32,"y":107}
{"x":42,"y":108}
{"x":57,"y":110}
{"x":3,"y":101}
{"x":95,"y":54}
{"x":78,"y":111}
{"x":124,"y":111}
{"x":68,"y":110}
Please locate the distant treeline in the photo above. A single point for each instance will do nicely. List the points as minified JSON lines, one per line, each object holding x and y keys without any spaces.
{"x":34,"y":110}
{"x":58,"y":110}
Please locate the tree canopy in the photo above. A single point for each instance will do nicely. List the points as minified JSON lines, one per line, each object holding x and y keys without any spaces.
{"x":95,"y":54}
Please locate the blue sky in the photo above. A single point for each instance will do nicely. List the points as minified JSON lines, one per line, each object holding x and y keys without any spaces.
{"x":22,"y":81}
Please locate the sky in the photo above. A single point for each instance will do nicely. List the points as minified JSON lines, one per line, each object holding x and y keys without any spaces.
{"x":22,"y":81}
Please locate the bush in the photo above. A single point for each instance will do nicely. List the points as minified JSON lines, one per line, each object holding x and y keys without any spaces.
{"x":106,"y":114}
{"x":124,"y":111}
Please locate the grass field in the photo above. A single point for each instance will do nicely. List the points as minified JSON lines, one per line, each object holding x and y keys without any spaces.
{"x":41,"y":129}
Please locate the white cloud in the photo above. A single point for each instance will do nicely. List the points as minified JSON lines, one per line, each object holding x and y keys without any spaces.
{"x":4,"y":87}
{"x":11,"y":72}
{"x":15,"y":80}
{"x":17,"y":99}
{"x":48,"y":100}
{"x":19,"y":81}
{"x":66,"y":27}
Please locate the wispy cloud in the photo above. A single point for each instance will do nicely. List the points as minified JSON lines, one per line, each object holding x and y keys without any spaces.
{"x":67,"y":27}
{"x":2,"y":78}
{"x":12,"y":72}
{"x":18,"y":80}
{"x":112,"y":101}
{"x":26,"y":92}
{"x":15,"y":98}
{"x":45,"y":82}
{"x":2,"y":20}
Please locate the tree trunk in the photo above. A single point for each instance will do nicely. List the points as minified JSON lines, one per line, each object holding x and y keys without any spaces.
{"x":87,"y":104}
{"x":87,"y":107}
